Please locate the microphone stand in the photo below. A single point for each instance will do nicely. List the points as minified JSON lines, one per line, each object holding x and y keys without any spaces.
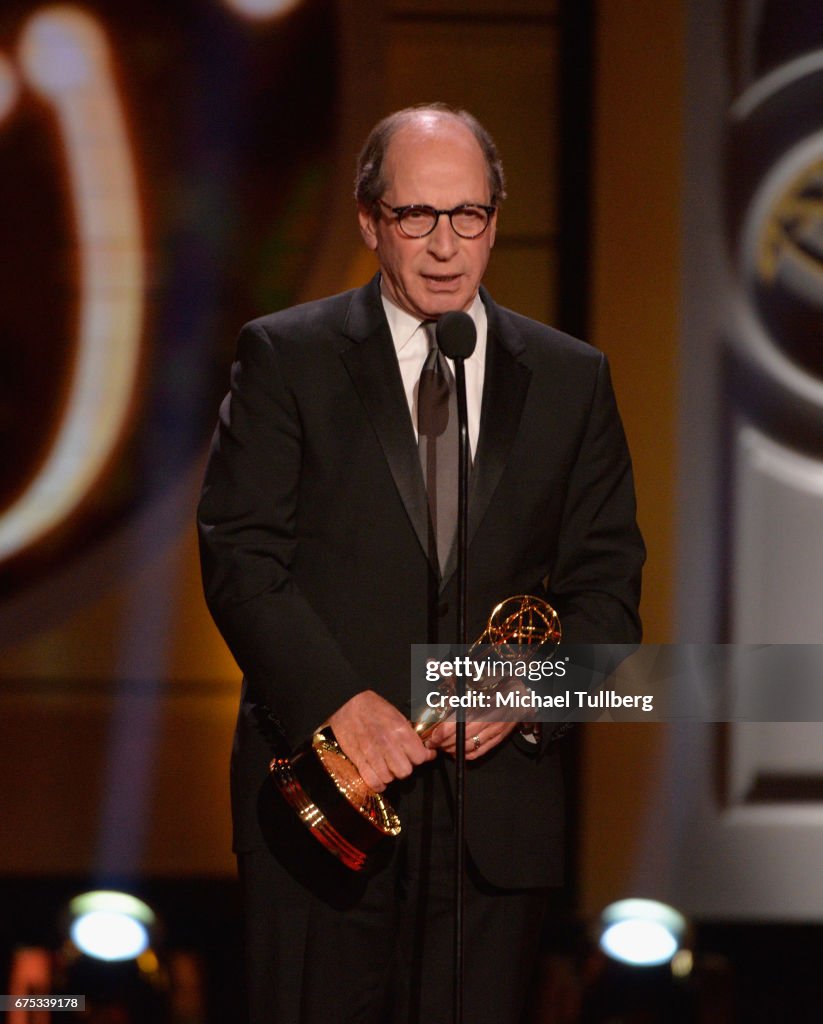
{"x":456,"y":338}
{"x":462,"y":640}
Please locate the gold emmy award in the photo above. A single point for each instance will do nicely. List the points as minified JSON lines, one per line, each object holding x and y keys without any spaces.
{"x":324,"y":787}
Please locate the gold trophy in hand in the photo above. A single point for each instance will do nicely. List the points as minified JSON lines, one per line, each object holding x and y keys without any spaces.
{"x":328,"y":793}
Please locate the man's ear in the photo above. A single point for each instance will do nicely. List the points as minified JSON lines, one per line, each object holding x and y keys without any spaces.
{"x":368,"y":226}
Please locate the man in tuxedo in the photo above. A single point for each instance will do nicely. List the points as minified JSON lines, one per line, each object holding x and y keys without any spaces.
{"x":319,"y":568}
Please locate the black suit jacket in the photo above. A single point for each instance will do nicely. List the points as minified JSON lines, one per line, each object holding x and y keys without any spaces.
{"x":314,"y":531}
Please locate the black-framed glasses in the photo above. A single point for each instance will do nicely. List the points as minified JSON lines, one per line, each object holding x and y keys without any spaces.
{"x":416,"y":221}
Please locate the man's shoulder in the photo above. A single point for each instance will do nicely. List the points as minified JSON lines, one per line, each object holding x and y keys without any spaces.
{"x":328,"y":313}
{"x":537,"y":339}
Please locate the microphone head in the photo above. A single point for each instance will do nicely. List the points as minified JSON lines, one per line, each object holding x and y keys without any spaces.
{"x":456,"y":335}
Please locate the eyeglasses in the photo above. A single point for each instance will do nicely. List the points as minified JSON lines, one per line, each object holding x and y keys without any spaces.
{"x":416,"y":221}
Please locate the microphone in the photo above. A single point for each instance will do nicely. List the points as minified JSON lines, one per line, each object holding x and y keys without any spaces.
{"x":456,"y":335}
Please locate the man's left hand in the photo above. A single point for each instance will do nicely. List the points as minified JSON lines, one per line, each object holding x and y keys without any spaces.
{"x":481,"y":737}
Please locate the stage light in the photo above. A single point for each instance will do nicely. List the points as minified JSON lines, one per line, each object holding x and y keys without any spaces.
{"x":641,"y":932}
{"x":110,"y":926}
{"x":64,"y":56}
{"x":262,"y":10}
{"x":113,"y":954}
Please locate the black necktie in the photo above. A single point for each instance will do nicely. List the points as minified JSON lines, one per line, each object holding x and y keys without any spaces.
{"x":437,"y":439}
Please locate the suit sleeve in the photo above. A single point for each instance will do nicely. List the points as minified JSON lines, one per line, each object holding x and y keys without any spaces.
{"x":596,"y":578}
{"x":247,"y":527}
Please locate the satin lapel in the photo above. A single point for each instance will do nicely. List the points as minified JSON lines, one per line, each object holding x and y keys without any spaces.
{"x":372,"y":365}
{"x":505,"y":385}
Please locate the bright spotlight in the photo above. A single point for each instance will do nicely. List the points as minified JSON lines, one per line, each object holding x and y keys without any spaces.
{"x":110,"y":925}
{"x":262,"y":10}
{"x":641,"y":933}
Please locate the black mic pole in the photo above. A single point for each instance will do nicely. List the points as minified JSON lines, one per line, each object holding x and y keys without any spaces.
{"x":456,"y":337}
{"x":462,"y":639}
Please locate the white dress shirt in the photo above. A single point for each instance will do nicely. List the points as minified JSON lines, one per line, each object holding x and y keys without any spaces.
{"x":411,"y":344}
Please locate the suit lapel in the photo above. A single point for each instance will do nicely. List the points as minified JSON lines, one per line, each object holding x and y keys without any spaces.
{"x":505,"y":385}
{"x":372,"y":365}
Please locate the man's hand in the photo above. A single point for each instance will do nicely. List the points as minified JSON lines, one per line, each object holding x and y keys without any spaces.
{"x":378,"y":739}
{"x":481,"y":737}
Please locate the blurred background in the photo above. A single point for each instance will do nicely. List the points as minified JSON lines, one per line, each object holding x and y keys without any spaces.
{"x":172,"y":168}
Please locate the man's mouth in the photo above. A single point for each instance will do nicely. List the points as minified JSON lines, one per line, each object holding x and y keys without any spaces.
{"x":442,"y":278}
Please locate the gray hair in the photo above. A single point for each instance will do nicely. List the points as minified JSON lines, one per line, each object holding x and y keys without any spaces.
{"x":369,"y":183}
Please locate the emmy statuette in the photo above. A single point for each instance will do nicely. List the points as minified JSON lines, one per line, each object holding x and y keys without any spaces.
{"x":324,"y":787}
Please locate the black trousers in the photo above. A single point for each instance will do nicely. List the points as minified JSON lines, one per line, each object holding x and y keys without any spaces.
{"x":325,"y":944}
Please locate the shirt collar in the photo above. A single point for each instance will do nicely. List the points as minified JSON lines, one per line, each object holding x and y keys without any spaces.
{"x":403,"y":325}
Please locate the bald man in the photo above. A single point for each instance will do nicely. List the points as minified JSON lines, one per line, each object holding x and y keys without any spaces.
{"x":319,"y":571}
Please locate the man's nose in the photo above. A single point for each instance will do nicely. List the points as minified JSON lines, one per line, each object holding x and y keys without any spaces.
{"x":443,"y":240}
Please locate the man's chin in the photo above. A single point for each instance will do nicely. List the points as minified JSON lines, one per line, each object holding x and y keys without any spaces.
{"x":445,"y":300}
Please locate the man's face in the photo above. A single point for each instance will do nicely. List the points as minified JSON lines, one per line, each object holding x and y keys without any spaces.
{"x":439,"y":163}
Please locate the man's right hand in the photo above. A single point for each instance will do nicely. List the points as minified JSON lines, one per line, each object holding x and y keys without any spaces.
{"x":378,"y":739}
